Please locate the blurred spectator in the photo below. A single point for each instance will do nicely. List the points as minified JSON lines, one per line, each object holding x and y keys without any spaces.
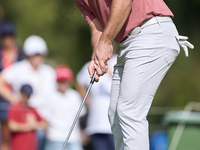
{"x":9,"y":53}
{"x":98,"y":127}
{"x":64,"y":104}
{"x":32,"y":71}
{"x":23,"y":120}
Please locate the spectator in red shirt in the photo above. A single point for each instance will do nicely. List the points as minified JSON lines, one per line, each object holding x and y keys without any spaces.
{"x":23,"y":120}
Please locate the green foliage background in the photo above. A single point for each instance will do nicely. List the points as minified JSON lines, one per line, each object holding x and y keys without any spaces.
{"x":60,"y":23}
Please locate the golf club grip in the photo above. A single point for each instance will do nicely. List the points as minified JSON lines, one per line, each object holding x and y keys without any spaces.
{"x":79,"y":110}
{"x":93,"y":77}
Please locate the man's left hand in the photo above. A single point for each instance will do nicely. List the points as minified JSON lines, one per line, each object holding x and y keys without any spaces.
{"x":102,"y":53}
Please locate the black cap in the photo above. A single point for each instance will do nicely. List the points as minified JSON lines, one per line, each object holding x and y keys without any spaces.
{"x":7,"y":29}
{"x":26,"y":89}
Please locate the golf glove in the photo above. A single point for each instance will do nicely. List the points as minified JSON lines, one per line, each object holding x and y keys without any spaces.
{"x":182,"y":40}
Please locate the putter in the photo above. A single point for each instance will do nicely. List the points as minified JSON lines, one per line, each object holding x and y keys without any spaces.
{"x":79,"y":110}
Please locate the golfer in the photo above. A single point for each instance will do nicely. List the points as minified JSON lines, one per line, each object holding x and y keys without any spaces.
{"x":149,"y":44}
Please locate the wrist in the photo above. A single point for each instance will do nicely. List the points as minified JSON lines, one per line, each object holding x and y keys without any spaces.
{"x":27,"y":127}
{"x":106,"y":38}
{"x":92,"y":57}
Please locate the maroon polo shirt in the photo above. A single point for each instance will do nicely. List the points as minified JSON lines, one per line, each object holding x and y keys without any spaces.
{"x":141,"y":10}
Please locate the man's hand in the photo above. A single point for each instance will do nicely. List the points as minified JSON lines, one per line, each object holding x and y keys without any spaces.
{"x":91,"y":69}
{"x":102,"y":53}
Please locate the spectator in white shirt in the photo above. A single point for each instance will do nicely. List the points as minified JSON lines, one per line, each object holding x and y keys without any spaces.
{"x":64,"y":104}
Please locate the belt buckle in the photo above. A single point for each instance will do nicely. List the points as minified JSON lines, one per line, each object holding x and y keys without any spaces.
{"x":135,"y":31}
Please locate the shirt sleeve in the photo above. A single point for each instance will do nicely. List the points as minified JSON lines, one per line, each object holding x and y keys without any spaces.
{"x":88,"y":15}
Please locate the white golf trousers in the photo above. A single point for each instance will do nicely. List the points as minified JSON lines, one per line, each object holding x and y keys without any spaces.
{"x":143,"y":61}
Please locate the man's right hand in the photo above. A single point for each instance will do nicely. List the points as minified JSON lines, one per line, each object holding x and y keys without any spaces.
{"x":91,"y":68}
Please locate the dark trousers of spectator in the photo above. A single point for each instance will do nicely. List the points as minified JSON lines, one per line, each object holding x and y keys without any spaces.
{"x":102,"y":142}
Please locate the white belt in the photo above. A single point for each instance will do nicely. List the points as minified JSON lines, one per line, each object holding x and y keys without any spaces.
{"x":148,"y":22}
{"x":182,"y":40}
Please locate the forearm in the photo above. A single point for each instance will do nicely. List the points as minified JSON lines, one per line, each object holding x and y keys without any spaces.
{"x":24,"y":127}
{"x":96,"y":29}
{"x":41,"y":125}
{"x":4,"y":92}
{"x":95,"y":40}
{"x":18,"y":127}
{"x":120,"y":9}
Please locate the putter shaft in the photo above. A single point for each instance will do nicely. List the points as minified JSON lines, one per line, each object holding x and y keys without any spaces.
{"x":79,"y":110}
